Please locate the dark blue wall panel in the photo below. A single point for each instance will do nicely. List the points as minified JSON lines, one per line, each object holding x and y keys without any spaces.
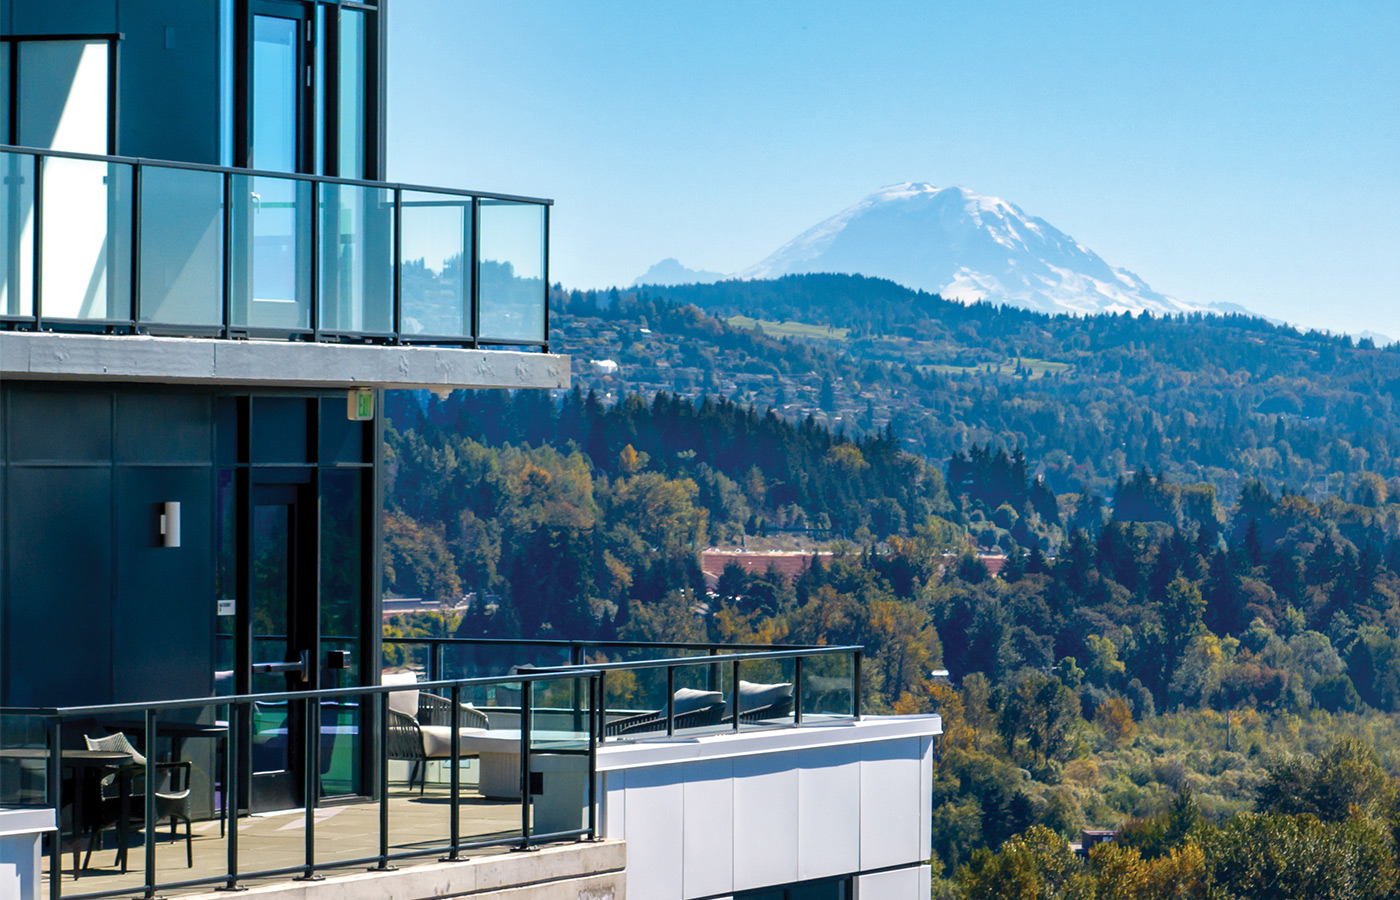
{"x":58,"y":624}
{"x":162,"y":627}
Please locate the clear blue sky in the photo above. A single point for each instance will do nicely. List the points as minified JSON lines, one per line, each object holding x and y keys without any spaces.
{"x":1225,"y":151}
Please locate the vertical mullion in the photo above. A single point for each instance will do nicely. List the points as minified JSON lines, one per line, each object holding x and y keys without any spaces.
{"x":113,"y":106}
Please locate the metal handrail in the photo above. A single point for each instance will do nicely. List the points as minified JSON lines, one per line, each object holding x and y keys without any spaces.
{"x":152,"y":162}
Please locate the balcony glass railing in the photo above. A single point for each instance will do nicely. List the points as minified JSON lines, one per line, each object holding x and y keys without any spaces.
{"x":118,"y":244}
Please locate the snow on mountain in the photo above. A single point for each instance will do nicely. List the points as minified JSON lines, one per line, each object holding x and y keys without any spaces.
{"x":670,"y":271}
{"x":967,"y":247}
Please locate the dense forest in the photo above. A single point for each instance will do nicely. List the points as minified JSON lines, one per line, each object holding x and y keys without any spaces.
{"x":1198,"y":649}
{"x":1213,"y":399}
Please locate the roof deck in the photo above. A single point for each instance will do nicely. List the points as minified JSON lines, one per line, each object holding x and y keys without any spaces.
{"x":335,"y":781}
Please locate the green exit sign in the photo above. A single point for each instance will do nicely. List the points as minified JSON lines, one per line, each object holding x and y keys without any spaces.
{"x":360,"y":406}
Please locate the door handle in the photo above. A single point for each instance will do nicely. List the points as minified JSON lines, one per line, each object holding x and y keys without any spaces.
{"x":301,"y":666}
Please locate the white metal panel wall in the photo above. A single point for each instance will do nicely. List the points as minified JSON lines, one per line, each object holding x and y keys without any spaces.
{"x":654,"y":828}
{"x":828,"y":824}
{"x":913,"y":883}
{"x":708,"y":855}
{"x":705,"y":828}
{"x":765,"y":820}
{"x":890,"y":830}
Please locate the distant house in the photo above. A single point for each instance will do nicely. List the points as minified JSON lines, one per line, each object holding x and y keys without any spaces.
{"x":791,"y":564}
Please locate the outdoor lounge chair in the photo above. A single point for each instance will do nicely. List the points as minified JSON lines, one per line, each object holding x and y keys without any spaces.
{"x":760,"y":702}
{"x":172,"y":797}
{"x":690,"y":709}
{"x":420,"y":726}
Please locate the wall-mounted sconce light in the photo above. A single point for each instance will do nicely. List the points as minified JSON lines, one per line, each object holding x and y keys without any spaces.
{"x":170,"y":524}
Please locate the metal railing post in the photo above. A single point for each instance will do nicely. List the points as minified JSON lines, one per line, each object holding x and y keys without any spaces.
{"x":602,"y":706}
{"x":455,"y":813}
{"x":670,"y":701}
{"x":797,"y":690}
{"x":310,"y":769}
{"x":526,"y":704}
{"x":37,"y":278}
{"x":595,"y":734}
{"x":855,"y":684}
{"x":226,"y":285}
{"x":135,"y":248}
{"x":576,"y":658}
{"x":383,"y":699}
{"x":150,"y":804}
{"x":55,"y":792}
{"x":712,"y":677}
{"x":231,"y":797}
{"x":734,"y":692}
{"x":434,"y":661}
{"x":398,"y":266}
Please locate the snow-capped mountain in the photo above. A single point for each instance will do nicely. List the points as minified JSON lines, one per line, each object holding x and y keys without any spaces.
{"x":968,"y":247}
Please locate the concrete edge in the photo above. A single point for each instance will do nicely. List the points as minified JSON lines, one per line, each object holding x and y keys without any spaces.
{"x":670,"y":751}
{"x":142,"y":358}
{"x":509,"y":874}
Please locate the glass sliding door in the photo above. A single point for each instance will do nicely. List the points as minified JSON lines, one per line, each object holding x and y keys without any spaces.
{"x":276,"y":102}
{"x":270,"y":264}
{"x":352,"y":80}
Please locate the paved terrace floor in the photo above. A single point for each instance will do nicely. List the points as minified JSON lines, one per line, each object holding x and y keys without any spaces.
{"x":266,"y":841}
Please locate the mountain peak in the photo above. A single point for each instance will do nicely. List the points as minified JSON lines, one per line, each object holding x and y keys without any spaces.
{"x":966,"y":246}
{"x":670,"y":271}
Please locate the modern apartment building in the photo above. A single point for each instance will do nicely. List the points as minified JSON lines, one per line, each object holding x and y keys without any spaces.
{"x":205,"y":286}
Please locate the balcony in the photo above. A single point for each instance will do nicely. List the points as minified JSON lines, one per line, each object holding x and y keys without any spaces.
{"x":117,"y":245}
{"x":359,"y":798}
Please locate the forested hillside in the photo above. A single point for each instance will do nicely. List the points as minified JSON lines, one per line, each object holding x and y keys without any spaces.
{"x":1214,"y":399}
{"x":1200,"y":517}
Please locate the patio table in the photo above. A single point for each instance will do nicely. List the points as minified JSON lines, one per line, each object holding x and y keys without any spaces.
{"x":80,"y":761}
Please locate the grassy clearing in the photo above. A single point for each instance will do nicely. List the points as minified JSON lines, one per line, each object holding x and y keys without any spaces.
{"x":1038,"y":368}
{"x":790,"y":329}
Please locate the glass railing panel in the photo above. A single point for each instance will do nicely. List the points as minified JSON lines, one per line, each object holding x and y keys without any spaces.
{"x":512,"y":271}
{"x":270,"y":253}
{"x":767,"y":693}
{"x":827,"y":687}
{"x":86,"y":259}
{"x":17,"y":232}
{"x":182,"y":247}
{"x":23,"y":761}
{"x":434,"y":278}
{"x":357,"y":259}
{"x":559,"y":737}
